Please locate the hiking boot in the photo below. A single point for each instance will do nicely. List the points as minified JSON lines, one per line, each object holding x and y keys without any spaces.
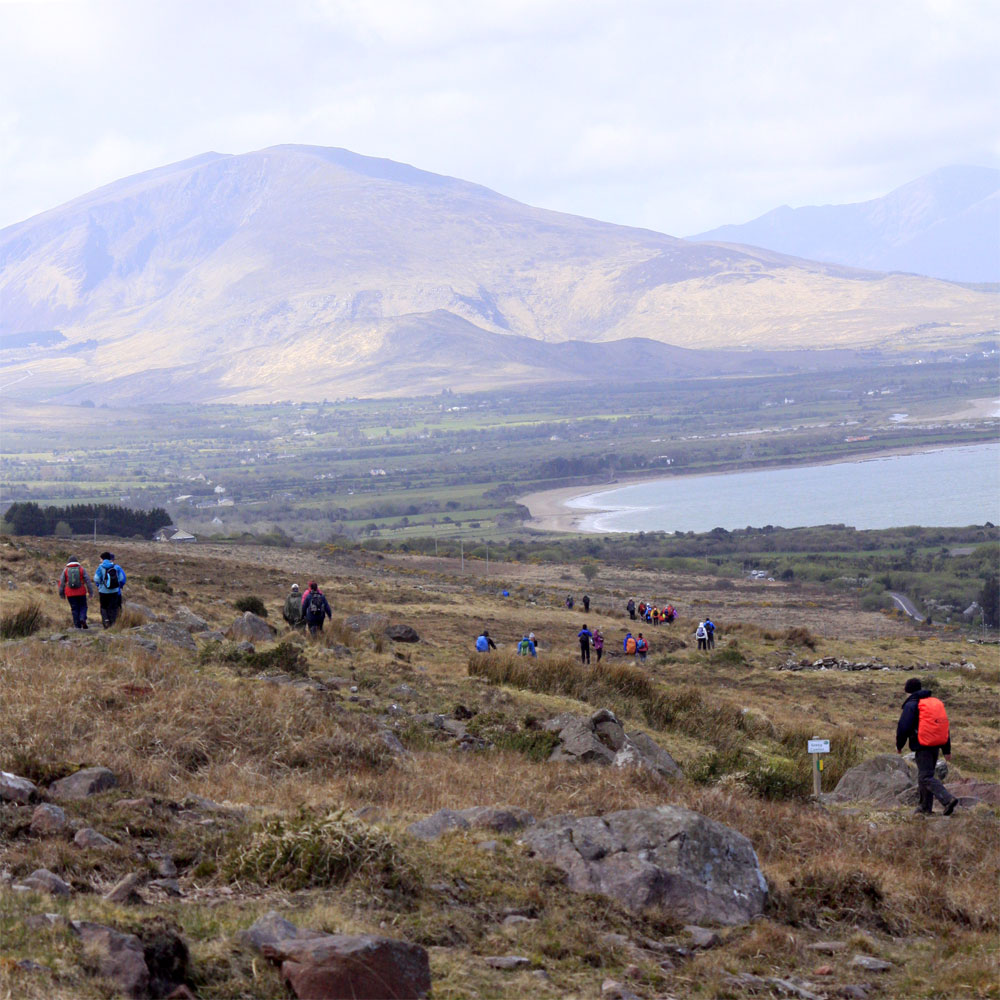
{"x":921,"y":812}
{"x":950,"y":807}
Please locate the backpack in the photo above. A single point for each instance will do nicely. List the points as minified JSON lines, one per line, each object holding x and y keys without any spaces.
{"x":702,"y":632}
{"x":932,"y":728}
{"x":73,"y":576}
{"x":482,"y":644}
{"x":523,"y":647}
{"x":642,"y":646}
{"x":316,"y":609}
{"x":110,"y":576}
{"x":630,"y":645}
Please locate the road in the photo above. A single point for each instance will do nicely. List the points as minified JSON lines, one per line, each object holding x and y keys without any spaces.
{"x":903,"y":602}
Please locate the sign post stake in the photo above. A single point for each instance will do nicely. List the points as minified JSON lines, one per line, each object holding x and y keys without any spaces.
{"x":817,"y":748}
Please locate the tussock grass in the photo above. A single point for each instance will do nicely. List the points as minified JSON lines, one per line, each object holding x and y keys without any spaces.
{"x":252,"y":604}
{"x":22,"y":622}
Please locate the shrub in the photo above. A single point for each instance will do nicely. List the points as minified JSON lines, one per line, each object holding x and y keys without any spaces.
{"x":158,"y":584}
{"x":25,"y":621}
{"x":799,"y":636}
{"x":319,"y":850}
{"x":286,"y":657}
{"x":252,"y":604}
{"x":779,"y":778}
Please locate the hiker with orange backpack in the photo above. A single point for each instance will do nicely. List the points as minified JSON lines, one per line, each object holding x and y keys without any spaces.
{"x":924,"y":722}
{"x":75,"y":585}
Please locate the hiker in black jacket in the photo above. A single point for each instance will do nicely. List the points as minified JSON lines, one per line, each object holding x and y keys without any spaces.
{"x":929,"y":785}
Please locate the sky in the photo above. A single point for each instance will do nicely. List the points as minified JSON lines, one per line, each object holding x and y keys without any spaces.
{"x":674,"y":115}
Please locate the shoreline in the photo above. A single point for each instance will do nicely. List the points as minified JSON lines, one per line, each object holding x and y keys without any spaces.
{"x":550,"y":510}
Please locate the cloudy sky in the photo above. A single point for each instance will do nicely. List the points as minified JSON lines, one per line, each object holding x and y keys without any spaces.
{"x":677,"y":115}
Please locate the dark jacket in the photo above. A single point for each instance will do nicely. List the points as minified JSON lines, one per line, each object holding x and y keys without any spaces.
{"x":308,"y":615}
{"x":909,"y":720}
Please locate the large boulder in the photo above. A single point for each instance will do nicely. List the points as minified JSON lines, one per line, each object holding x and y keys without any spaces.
{"x":250,"y":628}
{"x":273,"y":930}
{"x":402,"y":633}
{"x":14,"y":788}
{"x":884,"y":780}
{"x":83,"y":784}
{"x":579,"y":743}
{"x":671,"y":857}
{"x":971,"y":788}
{"x":640,"y":750}
{"x":117,"y":957}
{"x":361,"y":967}
{"x":169,"y":632}
{"x":143,"y":611}
{"x":601,"y":739}
{"x":186,"y":618}
{"x":493,"y":818}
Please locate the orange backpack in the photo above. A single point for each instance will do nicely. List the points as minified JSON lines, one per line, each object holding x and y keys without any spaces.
{"x":932,"y":728}
{"x":630,"y":645}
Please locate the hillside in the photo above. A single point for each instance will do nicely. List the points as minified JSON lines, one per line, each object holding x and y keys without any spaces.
{"x":946,"y":224}
{"x":300,"y":272}
{"x":305,"y":777}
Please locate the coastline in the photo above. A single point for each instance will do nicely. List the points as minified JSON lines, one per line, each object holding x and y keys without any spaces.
{"x":550,"y":511}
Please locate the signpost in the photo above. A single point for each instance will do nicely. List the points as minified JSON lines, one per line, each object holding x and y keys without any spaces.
{"x":817,"y":748}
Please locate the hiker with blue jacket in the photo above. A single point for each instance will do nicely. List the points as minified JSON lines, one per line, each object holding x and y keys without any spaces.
{"x":484,"y":643}
{"x":110,"y":578}
{"x":315,"y":608}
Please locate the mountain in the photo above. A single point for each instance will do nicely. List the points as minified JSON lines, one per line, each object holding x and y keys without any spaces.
{"x":301,"y":272}
{"x":946,"y":224}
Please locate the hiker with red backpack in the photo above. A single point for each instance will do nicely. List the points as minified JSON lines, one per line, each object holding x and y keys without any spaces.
{"x":75,"y":585}
{"x":924,"y":722}
{"x":110,"y":578}
{"x":315,"y":608}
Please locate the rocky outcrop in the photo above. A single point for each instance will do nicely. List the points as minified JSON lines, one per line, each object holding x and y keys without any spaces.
{"x":250,"y":628}
{"x":701,"y":870}
{"x":498,"y":820}
{"x":83,"y":784}
{"x":187,"y":619}
{"x":16,"y":789}
{"x":166,"y":632}
{"x":835,"y":663}
{"x":880,"y":779}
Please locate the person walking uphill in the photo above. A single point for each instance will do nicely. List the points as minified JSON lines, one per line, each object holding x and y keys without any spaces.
{"x":315,"y":608}
{"x":484,"y":643}
{"x":924,"y":723}
{"x":75,"y":585}
{"x":585,"y":636}
{"x":292,"y":612}
{"x":110,"y":578}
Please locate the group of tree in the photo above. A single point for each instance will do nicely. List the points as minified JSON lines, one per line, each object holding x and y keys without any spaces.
{"x":79,"y":519}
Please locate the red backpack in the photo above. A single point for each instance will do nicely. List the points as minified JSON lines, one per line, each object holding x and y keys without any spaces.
{"x":932,"y":728}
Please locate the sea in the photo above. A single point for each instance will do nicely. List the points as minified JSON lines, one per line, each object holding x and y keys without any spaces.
{"x":949,"y":487}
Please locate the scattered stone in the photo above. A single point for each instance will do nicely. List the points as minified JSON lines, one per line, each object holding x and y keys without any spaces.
{"x":273,"y":930}
{"x":488,"y":846}
{"x":169,"y":885}
{"x":478,"y":817}
{"x":48,"y":819}
{"x":45,"y":921}
{"x":785,"y":987}
{"x":28,"y":965}
{"x":611,"y":989}
{"x":640,"y":750}
{"x":250,"y":628}
{"x":140,"y":609}
{"x":89,"y":839}
{"x":142,"y":803}
{"x":508,"y":962}
{"x":210,"y":636}
{"x":402,"y":633}
{"x":668,"y":856}
{"x":125,"y":891}
{"x":358,"y":966}
{"x":366,"y":622}
{"x":43,"y":880}
{"x":83,"y":784}
{"x":186,"y":618}
{"x":827,"y":947}
{"x":168,"y":632}
{"x":870,"y":964}
{"x":16,"y":789}
{"x":391,"y":740}
{"x":515,"y":919}
{"x":165,"y":867}
{"x":702,"y":937}
{"x":119,"y":957}
{"x":601,"y":739}
{"x":823,"y":970}
{"x":972,"y":788}
{"x":856,"y":991}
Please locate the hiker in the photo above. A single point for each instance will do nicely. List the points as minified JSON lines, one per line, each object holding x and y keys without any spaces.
{"x":569,"y":602}
{"x":641,"y":648}
{"x":585,"y":636}
{"x":484,"y":643}
{"x":292,"y":611}
{"x":629,"y":644}
{"x":535,"y":643}
{"x":669,"y":614}
{"x":630,"y":608}
{"x":701,"y":634}
{"x":75,"y":585}
{"x":526,"y":647}
{"x":710,"y":629}
{"x":315,"y":608}
{"x":110,"y":578}
{"x":656,"y":616}
{"x":924,"y":722}
{"x":598,"y":643}
{"x":586,"y":603}
{"x":642,"y":609}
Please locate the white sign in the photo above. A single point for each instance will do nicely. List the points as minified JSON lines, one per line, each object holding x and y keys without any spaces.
{"x":819,"y":746}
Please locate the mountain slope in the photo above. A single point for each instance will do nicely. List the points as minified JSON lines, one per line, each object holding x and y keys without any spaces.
{"x":284,"y":272}
{"x":946,"y":224}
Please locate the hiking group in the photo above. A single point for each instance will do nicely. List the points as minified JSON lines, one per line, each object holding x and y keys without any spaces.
{"x":649,"y":613}
{"x":307,"y":610}
{"x":76,"y":586}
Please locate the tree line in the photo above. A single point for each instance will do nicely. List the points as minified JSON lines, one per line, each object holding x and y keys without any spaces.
{"x":78,"y":519}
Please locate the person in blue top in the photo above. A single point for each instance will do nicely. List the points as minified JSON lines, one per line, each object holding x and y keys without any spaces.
{"x":526,"y":647}
{"x":315,"y":608}
{"x":484,"y":643}
{"x":710,"y":629}
{"x":110,"y":578}
{"x":585,"y":636}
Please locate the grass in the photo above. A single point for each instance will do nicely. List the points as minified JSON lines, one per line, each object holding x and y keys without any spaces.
{"x":24,"y":621}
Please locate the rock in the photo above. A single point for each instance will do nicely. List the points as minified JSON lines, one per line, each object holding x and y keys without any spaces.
{"x":89,"y":781}
{"x":165,"y":867}
{"x":169,"y":885}
{"x":358,"y":966}
{"x":43,"y":880}
{"x":827,"y":947}
{"x":118,"y":957}
{"x":880,"y":780}
{"x":478,"y":817}
{"x":142,"y":803}
{"x":856,"y":991}
{"x":402,"y":633}
{"x":125,"y":891}
{"x":640,"y":750}
{"x":48,"y":819}
{"x":508,"y":962}
{"x":187,"y":619}
{"x":823,"y":970}
{"x":668,"y":856}
{"x":366,"y":622}
{"x":702,"y":937}
{"x":517,"y":919}
{"x":578,"y":742}
{"x":45,"y":921}
{"x":391,"y":740}
{"x":488,"y":846}
{"x":870,"y":964}
{"x":611,"y":989}
{"x":250,"y":628}
{"x":272,"y":930}
{"x":168,"y":632}
{"x":140,"y":609}
{"x":984,"y":791}
{"x":608,"y":729}
{"x":89,"y":839}
{"x":210,"y":636}
{"x":16,"y":789}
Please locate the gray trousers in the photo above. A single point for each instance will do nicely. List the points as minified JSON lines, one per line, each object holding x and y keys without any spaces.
{"x":929,"y":785}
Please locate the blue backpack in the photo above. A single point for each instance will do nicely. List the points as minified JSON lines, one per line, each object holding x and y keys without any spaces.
{"x":482,"y":644}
